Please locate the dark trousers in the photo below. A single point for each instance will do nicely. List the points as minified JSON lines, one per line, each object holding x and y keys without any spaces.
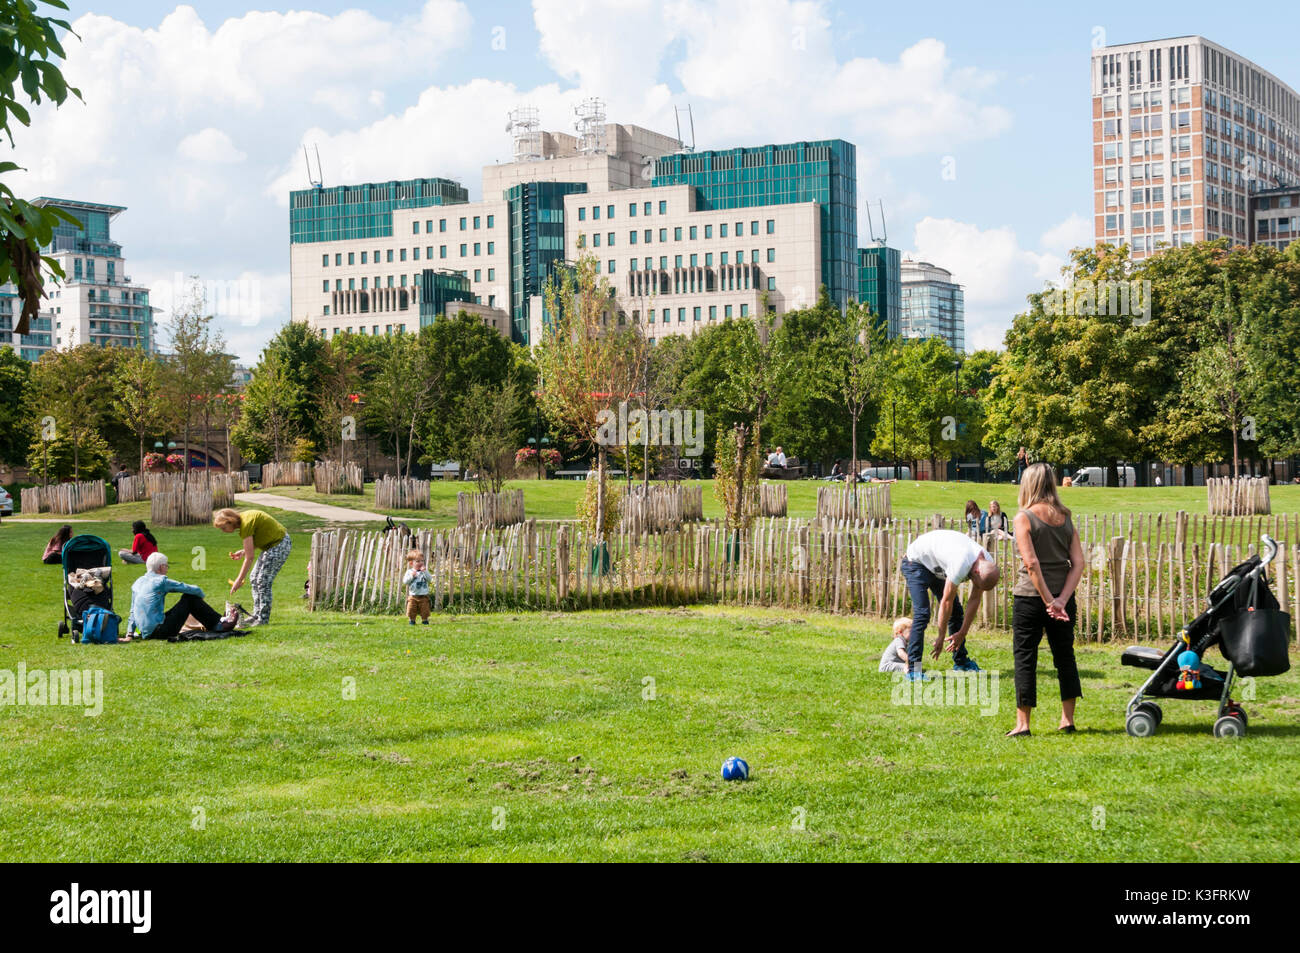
{"x":920,"y":583}
{"x":1029,"y":622}
{"x":187,"y":605}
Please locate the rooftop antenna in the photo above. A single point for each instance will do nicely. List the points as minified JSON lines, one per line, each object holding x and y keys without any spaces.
{"x":883,"y":237}
{"x":690,"y":117}
{"x":318,"y":182}
{"x":525,"y":129}
{"x":590,"y":126}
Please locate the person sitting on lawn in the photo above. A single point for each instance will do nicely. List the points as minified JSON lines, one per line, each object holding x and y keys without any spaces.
{"x":150,"y":619}
{"x":416,"y":580}
{"x":938,"y":562}
{"x":54,"y":548}
{"x":142,"y":546}
{"x":974,"y":517}
{"x":894,"y":658}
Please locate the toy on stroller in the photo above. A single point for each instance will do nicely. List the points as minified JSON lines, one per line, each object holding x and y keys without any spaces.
{"x":85,"y":553}
{"x":1245,"y":622}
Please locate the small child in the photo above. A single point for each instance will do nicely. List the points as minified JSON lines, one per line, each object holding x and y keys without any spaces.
{"x":894,"y":658}
{"x":416,"y":580}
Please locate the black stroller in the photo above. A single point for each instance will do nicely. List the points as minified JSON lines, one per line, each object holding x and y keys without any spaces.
{"x":1245,"y":622}
{"x":84,"y":552}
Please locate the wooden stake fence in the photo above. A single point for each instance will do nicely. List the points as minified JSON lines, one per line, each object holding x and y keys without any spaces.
{"x":331,"y":477}
{"x":1130,"y":589}
{"x":654,"y":509}
{"x":63,"y":498}
{"x":224,"y":486}
{"x":181,"y":507}
{"x":490,"y":509}
{"x":401,"y":493}
{"x":1243,"y":496}
{"x":867,"y":501}
{"x":287,"y":474}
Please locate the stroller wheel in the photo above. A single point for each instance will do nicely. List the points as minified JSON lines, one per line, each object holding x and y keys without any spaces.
{"x":1141,"y":724}
{"x":1154,"y":710}
{"x":1237,"y":712}
{"x":1229,"y":726}
{"x":63,"y":628}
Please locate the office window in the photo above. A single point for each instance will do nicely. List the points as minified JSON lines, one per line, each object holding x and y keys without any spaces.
{"x":352,"y":259}
{"x":722,"y":230}
{"x":695,"y":261}
{"x":631,"y":264}
{"x":722,"y":259}
{"x":325,"y":285}
{"x":595,"y":211}
{"x":611,"y":266}
{"x":442,"y":251}
{"x":582,"y":213}
{"x":402,"y":253}
{"x":631,"y":238}
{"x":650,"y":316}
{"x":415,"y":254}
{"x":695,"y":313}
{"x":771,"y":284}
{"x":744,"y":310}
{"x":663,"y":208}
{"x":338,"y":284}
{"x":663,"y":234}
{"x":477,"y":220}
{"x":478,"y":274}
{"x":677,"y":234}
{"x":726,"y":311}
{"x":631,"y":210}
{"x":403,"y":281}
{"x":595,"y":240}
{"x":609,"y":239}
{"x":677,"y":261}
{"x":663,"y":262}
{"x":713,"y":312}
{"x":492,"y":248}
{"x":681,"y":315}
{"x":771,"y":226}
{"x":327,"y":314}
{"x":478,"y":248}
{"x":442,"y":224}
{"x":363,"y":284}
{"x":324,"y":263}
{"x":740,"y":229}
{"x":491,"y":221}
{"x":462,"y":224}
{"x":771,"y":254}
{"x":415,"y":227}
{"x":695,"y":232}
{"x":708,"y":259}
{"x":390,"y":281}
{"x":609,"y":212}
{"x":708,"y":231}
{"x":753,"y":257}
{"x":492,"y":274}
{"x":352,"y":284}
{"x":647,"y":236}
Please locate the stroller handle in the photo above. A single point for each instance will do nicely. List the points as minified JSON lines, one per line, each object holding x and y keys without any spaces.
{"x":1270,"y":548}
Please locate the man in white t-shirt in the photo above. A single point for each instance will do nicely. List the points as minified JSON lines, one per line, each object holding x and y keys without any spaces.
{"x":937,"y":562}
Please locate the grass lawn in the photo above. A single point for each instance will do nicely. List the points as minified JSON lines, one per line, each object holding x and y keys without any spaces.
{"x":556,"y":499}
{"x":504,"y":737}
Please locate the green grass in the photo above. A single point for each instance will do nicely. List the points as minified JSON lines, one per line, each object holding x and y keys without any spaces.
{"x":539,"y":720}
{"x":557,"y":499}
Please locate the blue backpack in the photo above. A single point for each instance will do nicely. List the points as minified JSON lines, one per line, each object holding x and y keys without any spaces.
{"x":99,"y":626}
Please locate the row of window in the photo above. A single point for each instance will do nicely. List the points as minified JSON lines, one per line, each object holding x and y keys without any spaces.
{"x":415,"y":254}
{"x":1156,"y":219}
{"x":609,"y":210}
{"x":400,"y":282}
{"x":442,"y":224}
{"x":693,"y":231}
{"x":697,"y":314}
{"x":694,"y":258}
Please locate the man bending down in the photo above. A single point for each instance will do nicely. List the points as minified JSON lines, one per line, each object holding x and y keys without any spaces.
{"x":937,"y":562}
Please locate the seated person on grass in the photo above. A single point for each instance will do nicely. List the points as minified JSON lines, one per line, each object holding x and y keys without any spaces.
{"x":894,"y":658}
{"x":151,"y":620}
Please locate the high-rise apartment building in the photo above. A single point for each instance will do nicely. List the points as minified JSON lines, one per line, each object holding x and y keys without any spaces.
{"x":933,"y":305}
{"x":1275,"y":216}
{"x":1184,"y":132}
{"x":95,"y":302}
{"x":682,"y":238}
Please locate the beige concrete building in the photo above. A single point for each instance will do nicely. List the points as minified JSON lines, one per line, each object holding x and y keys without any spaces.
{"x":1184,"y":131}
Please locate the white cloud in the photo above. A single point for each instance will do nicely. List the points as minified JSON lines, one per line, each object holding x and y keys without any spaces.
{"x":1074,"y":232}
{"x":995,"y":271}
{"x":209,"y":145}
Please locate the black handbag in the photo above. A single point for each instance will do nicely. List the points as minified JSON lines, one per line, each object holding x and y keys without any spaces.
{"x":1256,"y":638}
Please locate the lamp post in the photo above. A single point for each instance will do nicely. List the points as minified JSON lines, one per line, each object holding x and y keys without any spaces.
{"x":893,"y":423}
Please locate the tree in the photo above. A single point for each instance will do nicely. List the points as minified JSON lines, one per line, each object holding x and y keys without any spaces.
{"x":267,"y":427}
{"x":137,"y":397}
{"x":87,"y":458}
{"x":856,"y":359}
{"x":29,"y":44}
{"x":926,"y":408}
{"x":15,"y":428}
{"x":196,"y":363}
{"x":494,"y":429}
{"x":405,"y":389}
{"x":584,"y":360}
{"x":70,"y":387}
{"x":808,"y":416}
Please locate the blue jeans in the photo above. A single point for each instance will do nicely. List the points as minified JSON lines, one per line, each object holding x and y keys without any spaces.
{"x":920,"y":583}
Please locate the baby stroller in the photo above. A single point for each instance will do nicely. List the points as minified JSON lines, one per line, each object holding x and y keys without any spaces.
{"x":1244,"y":621}
{"x":84,"y":552}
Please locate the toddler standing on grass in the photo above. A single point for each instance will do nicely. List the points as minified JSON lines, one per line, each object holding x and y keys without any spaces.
{"x":894,"y":658}
{"x":416,"y":580}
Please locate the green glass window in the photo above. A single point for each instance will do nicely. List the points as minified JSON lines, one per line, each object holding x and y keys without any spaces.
{"x":695,"y":232}
{"x":491,"y":221}
{"x":647,"y":208}
{"x":442,"y":251}
{"x":771,"y":226}
{"x":631,"y":238}
{"x":476,"y":221}
{"x":681,"y":315}
{"x":695,"y":313}
{"x":352,"y":258}
{"x":492,"y":248}
{"x":611,"y":266}
{"x":595,"y":211}
{"x":582,"y":213}
{"x":713,"y":312}
{"x":325,"y":285}
{"x":609,"y":212}
{"x":609,"y":239}
{"x":631,"y":210}
{"x":462,"y":224}
{"x":771,"y":254}
{"x":663,"y":208}
{"x":324,"y":263}
{"x":677,"y":234}
{"x":442,"y":224}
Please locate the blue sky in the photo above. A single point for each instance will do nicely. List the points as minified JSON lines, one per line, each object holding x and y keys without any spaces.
{"x":195,"y":115}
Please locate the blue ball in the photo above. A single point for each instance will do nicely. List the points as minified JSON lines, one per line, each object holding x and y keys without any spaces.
{"x":1189,"y":659}
{"x":735,"y":769}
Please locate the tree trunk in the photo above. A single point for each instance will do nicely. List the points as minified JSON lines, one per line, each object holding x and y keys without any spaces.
{"x":600,"y":494}
{"x":1236,"y":454}
{"x":1112,"y":472}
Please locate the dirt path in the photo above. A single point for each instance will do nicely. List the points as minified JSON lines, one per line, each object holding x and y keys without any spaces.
{"x":337,"y":514}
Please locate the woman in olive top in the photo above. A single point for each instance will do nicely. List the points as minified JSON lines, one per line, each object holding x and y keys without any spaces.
{"x":259,"y":530}
{"x":1051,"y":564}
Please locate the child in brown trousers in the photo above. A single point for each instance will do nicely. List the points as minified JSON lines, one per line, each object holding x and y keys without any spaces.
{"x":416,"y":580}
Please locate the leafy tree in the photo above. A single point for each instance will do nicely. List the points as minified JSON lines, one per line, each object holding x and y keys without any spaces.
{"x":70,"y":386}
{"x":29,"y":46}
{"x":493,"y":431}
{"x":926,"y":408}
{"x":137,"y":397}
{"x":15,"y":428}
{"x":196,"y":366}
{"x":88,"y":457}
{"x":808,"y":416}
{"x":267,"y":427}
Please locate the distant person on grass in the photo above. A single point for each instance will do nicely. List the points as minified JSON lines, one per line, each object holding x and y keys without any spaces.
{"x":937,"y":562}
{"x":151,"y":620}
{"x":894,"y":658}
{"x":143,"y":545}
{"x":54,"y":548}
{"x":262,"y":531}
{"x":416,"y":580}
{"x":1051,"y":562}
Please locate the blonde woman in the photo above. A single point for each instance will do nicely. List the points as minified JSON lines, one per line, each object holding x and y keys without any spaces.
{"x":262,"y":531}
{"x":996,"y":521}
{"x":1051,"y":564}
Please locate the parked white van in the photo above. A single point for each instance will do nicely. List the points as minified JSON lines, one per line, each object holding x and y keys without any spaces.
{"x":1096,"y":476}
